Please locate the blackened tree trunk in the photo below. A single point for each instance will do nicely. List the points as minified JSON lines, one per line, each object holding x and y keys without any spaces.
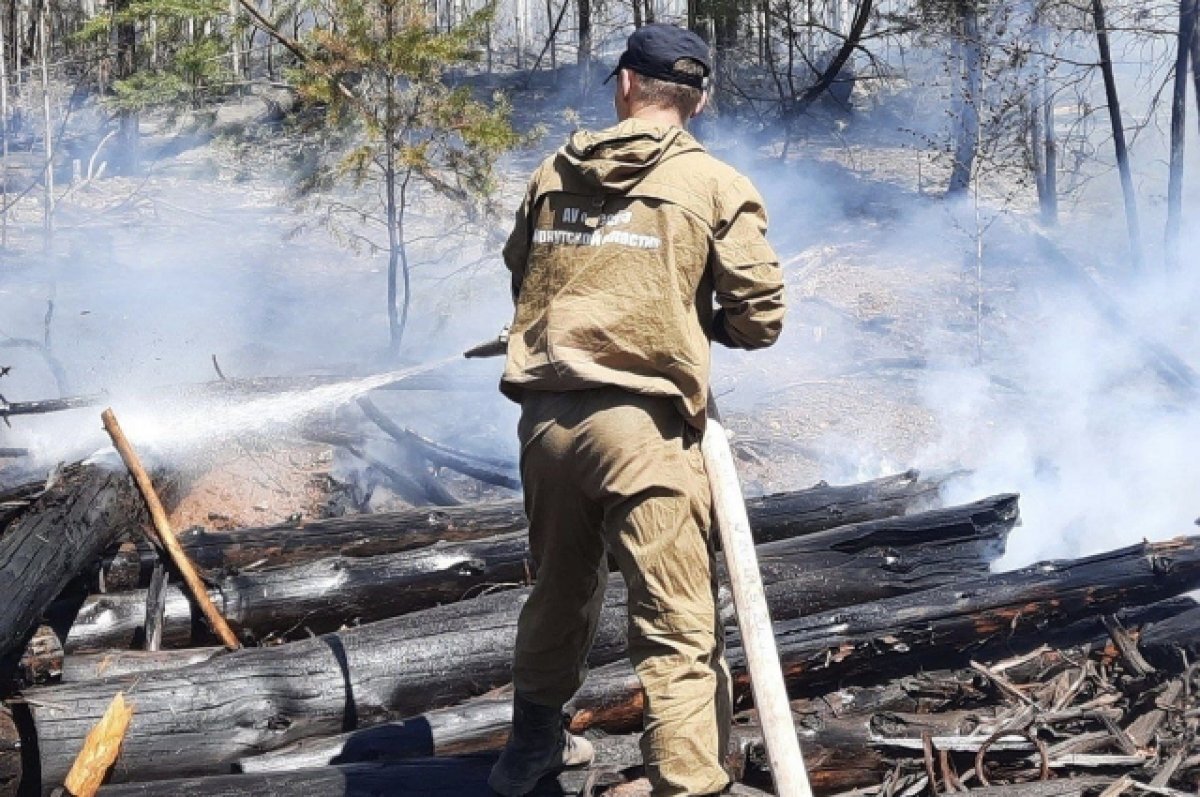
{"x":1183,"y":47}
{"x":1195,"y":59}
{"x":836,"y":752}
{"x":1049,"y":201}
{"x":584,"y":55}
{"x":1044,"y":139}
{"x":772,"y":517}
{"x":127,"y":160}
{"x":966,"y":139}
{"x":1118,"y":133}
{"x":959,"y":620}
{"x":839,"y":567}
{"x":58,"y":536}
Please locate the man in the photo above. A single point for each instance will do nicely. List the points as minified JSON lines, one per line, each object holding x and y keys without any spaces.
{"x":623,"y":239}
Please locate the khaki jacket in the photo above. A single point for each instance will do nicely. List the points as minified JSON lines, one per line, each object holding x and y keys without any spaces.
{"x":622,"y":240}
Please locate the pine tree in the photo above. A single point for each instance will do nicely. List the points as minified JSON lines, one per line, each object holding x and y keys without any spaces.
{"x":381,"y":77}
{"x":183,"y":54}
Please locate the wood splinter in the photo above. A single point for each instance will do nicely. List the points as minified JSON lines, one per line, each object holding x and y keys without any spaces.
{"x":166,"y":535}
{"x":100,"y":749}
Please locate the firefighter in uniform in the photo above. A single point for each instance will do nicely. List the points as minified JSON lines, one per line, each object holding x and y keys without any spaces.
{"x":623,"y":240}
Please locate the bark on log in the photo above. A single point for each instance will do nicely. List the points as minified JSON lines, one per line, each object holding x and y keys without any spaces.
{"x":110,"y":664}
{"x":62,"y":533}
{"x":451,"y":777}
{"x":838,"y":753}
{"x":263,"y":699}
{"x":774,"y":517}
{"x":838,"y":567}
{"x":834,"y":725}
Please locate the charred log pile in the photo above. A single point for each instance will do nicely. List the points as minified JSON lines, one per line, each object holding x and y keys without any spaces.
{"x":378,"y":650}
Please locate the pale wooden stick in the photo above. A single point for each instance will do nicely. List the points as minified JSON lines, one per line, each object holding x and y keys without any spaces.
{"x":753,"y":616}
{"x":159,"y":516}
{"x":100,"y":749}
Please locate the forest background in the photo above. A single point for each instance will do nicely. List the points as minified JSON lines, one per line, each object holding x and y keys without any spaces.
{"x":981,"y":207}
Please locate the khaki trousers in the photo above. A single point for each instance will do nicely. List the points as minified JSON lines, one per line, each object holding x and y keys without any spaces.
{"x":609,"y":470}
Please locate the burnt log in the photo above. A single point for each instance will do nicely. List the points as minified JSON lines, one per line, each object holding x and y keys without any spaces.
{"x":824,"y":570}
{"x":89,"y":666}
{"x":773,"y":517}
{"x":202,"y":718}
{"x":957,"y":621}
{"x":15,"y":500}
{"x":62,"y":533}
{"x":451,"y":777}
{"x":464,"y":776}
{"x":837,"y":748}
{"x":842,"y":730}
{"x":1172,"y":640}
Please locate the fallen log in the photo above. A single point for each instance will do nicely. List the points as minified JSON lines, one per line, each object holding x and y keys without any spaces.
{"x":263,"y":699}
{"x":824,"y":570}
{"x":837,"y":727}
{"x":452,"y":777}
{"x":455,"y":777}
{"x":110,"y":664}
{"x":772,"y":517}
{"x":49,"y":544}
{"x":838,"y":753}
{"x":956,"y":620}
{"x":1172,"y":640}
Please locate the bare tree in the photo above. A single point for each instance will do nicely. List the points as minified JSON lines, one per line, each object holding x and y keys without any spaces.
{"x":1187,"y":33}
{"x":4,"y":132}
{"x":969,"y":69}
{"x":44,"y":44}
{"x":1118,"y":133}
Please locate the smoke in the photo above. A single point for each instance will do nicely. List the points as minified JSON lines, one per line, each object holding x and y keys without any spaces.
{"x":1010,"y":366}
{"x":1100,"y":450}
{"x":901,"y":348}
{"x":151,"y":279}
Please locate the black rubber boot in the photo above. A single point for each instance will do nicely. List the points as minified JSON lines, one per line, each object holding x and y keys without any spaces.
{"x":538,"y":745}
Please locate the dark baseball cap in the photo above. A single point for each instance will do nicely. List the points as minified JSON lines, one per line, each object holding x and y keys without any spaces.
{"x":652,"y":50}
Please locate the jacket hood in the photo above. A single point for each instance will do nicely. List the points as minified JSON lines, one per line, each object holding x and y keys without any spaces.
{"x":617,"y":158}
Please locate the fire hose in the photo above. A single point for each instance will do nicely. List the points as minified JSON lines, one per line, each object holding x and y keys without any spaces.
{"x":749,"y":600}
